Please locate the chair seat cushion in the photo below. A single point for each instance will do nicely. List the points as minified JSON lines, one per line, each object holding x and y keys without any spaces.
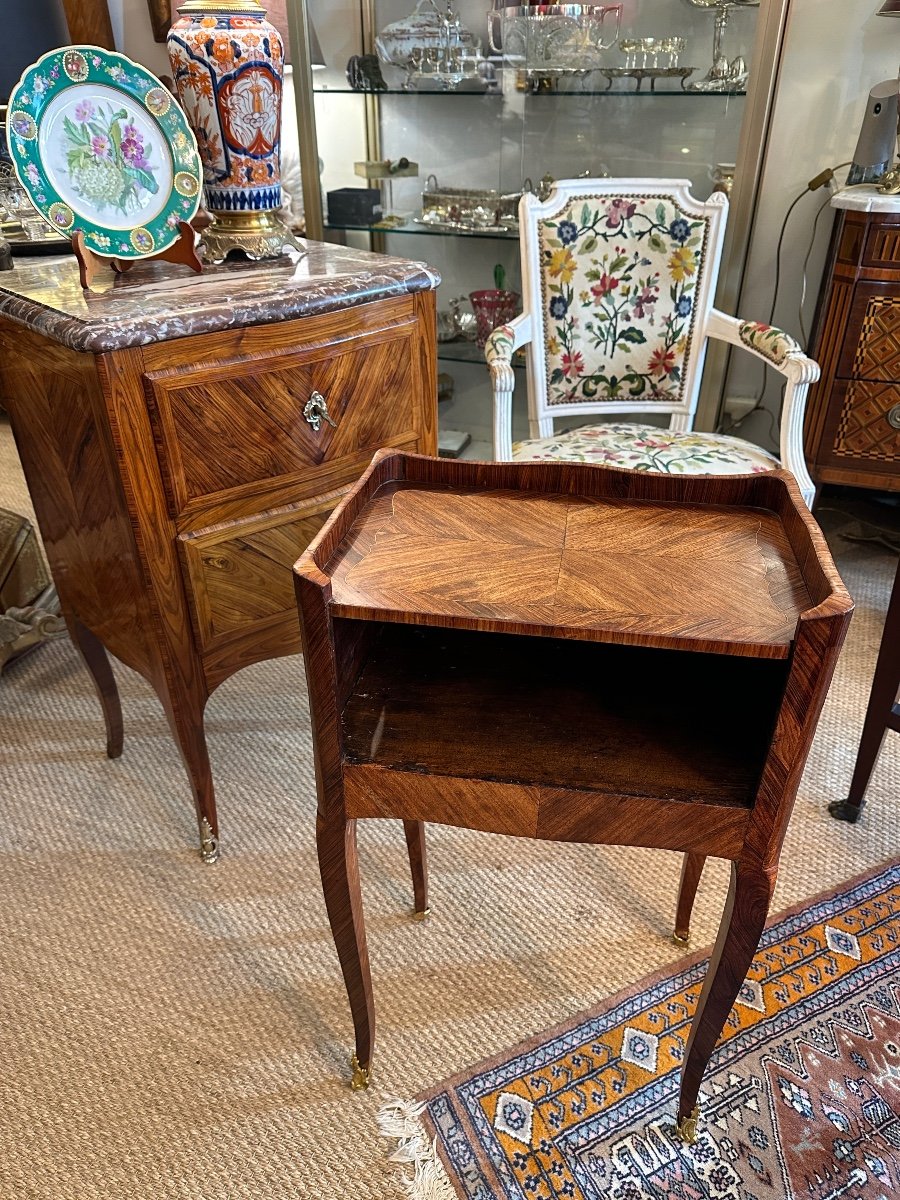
{"x":649,"y":448}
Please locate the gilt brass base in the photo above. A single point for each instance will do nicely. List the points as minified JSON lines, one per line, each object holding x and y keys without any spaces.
{"x":256,"y":235}
{"x":209,"y":843}
{"x":687,"y":1127}
{"x":423,"y":915}
{"x":361,"y":1076}
{"x":681,"y":940}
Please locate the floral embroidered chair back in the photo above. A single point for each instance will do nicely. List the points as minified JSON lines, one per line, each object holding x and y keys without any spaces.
{"x":619,"y":279}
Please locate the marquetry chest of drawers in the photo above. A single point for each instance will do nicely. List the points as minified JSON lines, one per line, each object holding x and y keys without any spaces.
{"x":183,"y":440}
{"x":853,"y":412}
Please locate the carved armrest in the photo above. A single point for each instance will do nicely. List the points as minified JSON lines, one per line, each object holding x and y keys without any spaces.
{"x":501,"y":346}
{"x":776,"y":347}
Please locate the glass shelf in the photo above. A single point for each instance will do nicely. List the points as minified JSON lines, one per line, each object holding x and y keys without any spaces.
{"x":569,"y":93}
{"x":467,"y":352}
{"x":428,"y":231}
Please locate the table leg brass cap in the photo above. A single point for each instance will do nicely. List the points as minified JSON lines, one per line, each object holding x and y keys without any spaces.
{"x":361,"y":1076}
{"x":423,"y":915}
{"x":687,"y":1127}
{"x":680,"y":940}
{"x":209,"y":843}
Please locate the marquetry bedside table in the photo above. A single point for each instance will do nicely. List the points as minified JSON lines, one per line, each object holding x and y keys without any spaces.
{"x":569,"y":653}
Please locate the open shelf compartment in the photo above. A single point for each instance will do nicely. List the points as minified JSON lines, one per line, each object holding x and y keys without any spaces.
{"x":621,"y":720}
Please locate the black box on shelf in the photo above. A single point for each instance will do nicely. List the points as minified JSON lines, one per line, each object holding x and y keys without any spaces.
{"x":354,"y":206}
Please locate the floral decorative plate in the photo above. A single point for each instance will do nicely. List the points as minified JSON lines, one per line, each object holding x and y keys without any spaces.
{"x":102,"y":147}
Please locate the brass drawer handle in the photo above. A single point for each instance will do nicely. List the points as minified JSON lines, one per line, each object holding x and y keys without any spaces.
{"x":893,"y":417}
{"x":315,"y":409}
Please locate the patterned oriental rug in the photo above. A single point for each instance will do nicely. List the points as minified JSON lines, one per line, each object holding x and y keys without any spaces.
{"x":801,"y":1099}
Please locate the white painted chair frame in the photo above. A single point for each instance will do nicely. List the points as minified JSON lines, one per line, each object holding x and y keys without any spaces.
{"x":527,"y":330}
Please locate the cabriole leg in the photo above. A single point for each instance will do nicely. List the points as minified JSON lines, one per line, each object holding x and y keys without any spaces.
{"x":418,"y":862}
{"x":339,"y":867}
{"x":186,"y":722}
{"x":95,"y":659}
{"x":691,"y":870}
{"x":743,"y":921}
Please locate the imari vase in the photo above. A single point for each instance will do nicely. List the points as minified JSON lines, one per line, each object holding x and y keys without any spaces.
{"x":228,"y":65}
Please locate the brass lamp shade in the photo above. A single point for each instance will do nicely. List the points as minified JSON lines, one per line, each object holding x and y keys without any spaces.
{"x":890,"y":8}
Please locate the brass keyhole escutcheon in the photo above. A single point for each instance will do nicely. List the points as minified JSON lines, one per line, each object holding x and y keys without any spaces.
{"x":316,"y":410}
{"x":893,"y":417}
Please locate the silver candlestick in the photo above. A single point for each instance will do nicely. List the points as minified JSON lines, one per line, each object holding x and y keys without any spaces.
{"x":722,"y":75}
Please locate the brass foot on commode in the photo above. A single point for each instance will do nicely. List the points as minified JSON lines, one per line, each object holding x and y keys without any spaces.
{"x":361,"y":1076}
{"x":423,"y":915}
{"x":686,"y":1128}
{"x":209,"y":843}
{"x":681,"y":939}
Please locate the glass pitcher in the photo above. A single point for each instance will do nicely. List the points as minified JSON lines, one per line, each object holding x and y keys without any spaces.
{"x":554,"y":36}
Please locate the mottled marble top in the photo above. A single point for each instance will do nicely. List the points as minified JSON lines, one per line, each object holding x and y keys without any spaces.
{"x":865,"y":198}
{"x":156,"y":302}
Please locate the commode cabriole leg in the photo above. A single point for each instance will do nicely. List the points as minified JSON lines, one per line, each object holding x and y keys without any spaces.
{"x":691,"y":870}
{"x":743,"y":921}
{"x":97,"y":662}
{"x":339,"y":867}
{"x":418,"y":862}
{"x":186,"y":723}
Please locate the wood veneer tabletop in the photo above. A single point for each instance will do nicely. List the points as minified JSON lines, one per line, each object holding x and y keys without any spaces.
{"x":596,"y":569}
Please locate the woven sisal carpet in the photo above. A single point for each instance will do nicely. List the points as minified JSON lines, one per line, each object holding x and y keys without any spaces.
{"x":169,"y":1030}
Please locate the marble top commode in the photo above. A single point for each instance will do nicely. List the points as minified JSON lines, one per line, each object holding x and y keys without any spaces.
{"x":865,"y":198}
{"x":156,"y":302}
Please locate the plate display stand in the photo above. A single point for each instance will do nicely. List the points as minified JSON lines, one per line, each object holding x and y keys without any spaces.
{"x":182,"y":251}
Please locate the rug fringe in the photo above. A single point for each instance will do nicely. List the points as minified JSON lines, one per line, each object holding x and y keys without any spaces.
{"x":400,"y":1121}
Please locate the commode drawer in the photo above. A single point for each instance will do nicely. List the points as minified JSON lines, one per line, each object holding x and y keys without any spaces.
{"x":295,"y":420}
{"x":865,"y":426}
{"x":240,"y":579}
{"x":871,"y":348}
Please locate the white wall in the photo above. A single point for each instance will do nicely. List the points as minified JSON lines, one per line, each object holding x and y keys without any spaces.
{"x":835,"y":51}
{"x":134,"y":35}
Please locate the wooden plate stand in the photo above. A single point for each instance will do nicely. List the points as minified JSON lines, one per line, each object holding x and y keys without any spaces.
{"x":184,"y":250}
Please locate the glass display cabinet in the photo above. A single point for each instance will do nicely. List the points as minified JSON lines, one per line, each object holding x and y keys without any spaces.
{"x":458,"y":109}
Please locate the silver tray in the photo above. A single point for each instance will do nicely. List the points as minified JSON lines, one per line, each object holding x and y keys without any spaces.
{"x":642,"y":73}
{"x":482,"y":209}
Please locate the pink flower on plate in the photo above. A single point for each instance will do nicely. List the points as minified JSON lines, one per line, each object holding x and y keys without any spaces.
{"x":100,"y":146}
{"x":84,"y":111}
{"x":133,"y":152}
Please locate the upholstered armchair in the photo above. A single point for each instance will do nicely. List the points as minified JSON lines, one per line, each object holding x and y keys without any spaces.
{"x":619,"y":277}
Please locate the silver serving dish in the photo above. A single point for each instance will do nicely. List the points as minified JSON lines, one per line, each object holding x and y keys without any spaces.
{"x":470,"y":208}
{"x":424,"y":30}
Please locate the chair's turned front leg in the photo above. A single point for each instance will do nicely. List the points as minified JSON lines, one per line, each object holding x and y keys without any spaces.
{"x":691,"y":870}
{"x":339,"y":867}
{"x":743,"y":921}
{"x":418,"y":862}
